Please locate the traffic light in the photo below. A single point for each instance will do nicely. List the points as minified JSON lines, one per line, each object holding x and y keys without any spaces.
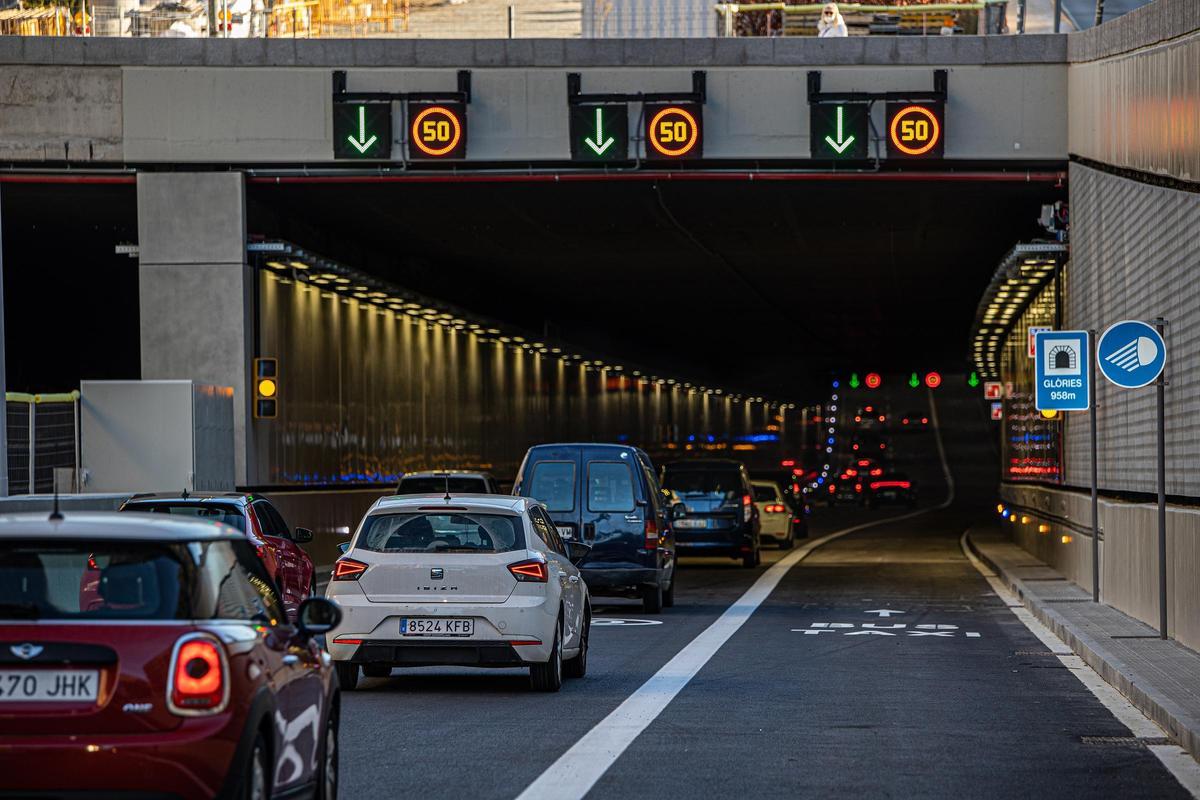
{"x":266,"y":388}
{"x":854,"y":384}
{"x":973,"y":380}
{"x":933,"y":380}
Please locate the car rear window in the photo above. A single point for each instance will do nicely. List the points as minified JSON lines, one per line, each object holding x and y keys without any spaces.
{"x":765,"y":494}
{"x":610,"y":486}
{"x":458,"y":485}
{"x":713,"y":484}
{"x":134,"y":580}
{"x":228,"y":513}
{"x":553,"y":483}
{"x":458,"y":532}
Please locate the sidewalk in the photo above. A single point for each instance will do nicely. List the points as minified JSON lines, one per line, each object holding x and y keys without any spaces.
{"x":1161,"y":678}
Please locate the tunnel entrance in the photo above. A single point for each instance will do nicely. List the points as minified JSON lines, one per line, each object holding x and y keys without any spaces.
{"x":767,"y":285}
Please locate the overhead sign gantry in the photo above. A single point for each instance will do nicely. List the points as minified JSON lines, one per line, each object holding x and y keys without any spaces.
{"x":435,"y":122}
{"x":672,"y":122}
{"x":914,"y":121}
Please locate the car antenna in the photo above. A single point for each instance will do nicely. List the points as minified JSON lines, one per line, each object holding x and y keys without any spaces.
{"x":446,"y":476}
{"x":55,"y":514}
{"x":185,"y":493}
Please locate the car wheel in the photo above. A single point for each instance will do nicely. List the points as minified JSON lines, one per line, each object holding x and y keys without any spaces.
{"x":577,"y":666}
{"x":790,"y":540}
{"x":347,"y":675}
{"x":327,"y":781}
{"x":377,"y":670}
{"x":256,"y":782}
{"x":652,"y":598}
{"x":669,"y":594}
{"x":548,"y":677}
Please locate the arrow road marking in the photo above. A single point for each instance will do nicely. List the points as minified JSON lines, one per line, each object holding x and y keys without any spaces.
{"x":362,"y":144}
{"x":596,"y":145}
{"x":841,"y":144}
{"x":883,"y":612}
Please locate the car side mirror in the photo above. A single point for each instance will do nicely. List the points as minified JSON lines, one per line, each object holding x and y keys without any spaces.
{"x":303,"y":536}
{"x":343,"y":547}
{"x":577,"y":551}
{"x":317,"y":616}
{"x":678,"y":511}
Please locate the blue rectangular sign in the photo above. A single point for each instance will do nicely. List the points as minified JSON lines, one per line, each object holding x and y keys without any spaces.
{"x":1061,"y":371}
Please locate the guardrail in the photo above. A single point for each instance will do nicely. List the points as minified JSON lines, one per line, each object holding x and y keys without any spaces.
{"x":43,"y":442}
{"x":862,"y":19}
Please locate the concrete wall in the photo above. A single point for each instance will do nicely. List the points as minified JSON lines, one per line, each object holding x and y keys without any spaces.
{"x":264,"y":102}
{"x":367,"y":394}
{"x":195,"y":289}
{"x":1129,"y":553}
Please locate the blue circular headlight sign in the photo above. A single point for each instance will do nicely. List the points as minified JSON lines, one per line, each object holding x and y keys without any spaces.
{"x":1131,"y":354}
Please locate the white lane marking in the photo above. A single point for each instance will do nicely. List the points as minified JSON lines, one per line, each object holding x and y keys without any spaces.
{"x":576,"y":771}
{"x":1178,"y":761}
{"x":613,"y":622}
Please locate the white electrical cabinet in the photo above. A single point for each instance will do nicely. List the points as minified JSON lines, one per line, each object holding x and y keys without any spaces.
{"x":156,"y":436}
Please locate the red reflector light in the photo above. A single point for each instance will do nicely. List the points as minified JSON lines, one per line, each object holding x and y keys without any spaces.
{"x":198,"y":680}
{"x":525,"y":642}
{"x":531,"y":571}
{"x":345,"y":640}
{"x":347,"y":569}
{"x":891,"y":485}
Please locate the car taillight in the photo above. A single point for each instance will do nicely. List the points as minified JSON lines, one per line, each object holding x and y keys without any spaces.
{"x":774,"y":508}
{"x":347,"y":569}
{"x":858,"y":487}
{"x":651,"y":534}
{"x":851,"y":472}
{"x":891,"y":484}
{"x":876,"y":472}
{"x":531,"y":571}
{"x":924,"y":420}
{"x":832,"y":488}
{"x":199,"y":677}
{"x":747,"y":507}
{"x":795,"y":520}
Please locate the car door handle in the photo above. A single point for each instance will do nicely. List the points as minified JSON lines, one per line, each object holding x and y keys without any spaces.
{"x":589,"y":530}
{"x":291,"y":660}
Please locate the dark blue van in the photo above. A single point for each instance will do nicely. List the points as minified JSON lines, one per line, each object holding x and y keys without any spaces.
{"x":607,"y":496}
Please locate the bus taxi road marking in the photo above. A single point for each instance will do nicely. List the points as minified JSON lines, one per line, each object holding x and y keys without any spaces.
{"x":614,"y":622}
{"x":924,"y":629}
{"x":1178,"y":761}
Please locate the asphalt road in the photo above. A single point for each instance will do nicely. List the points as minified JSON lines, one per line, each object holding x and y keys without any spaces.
{"x":805,"y":699}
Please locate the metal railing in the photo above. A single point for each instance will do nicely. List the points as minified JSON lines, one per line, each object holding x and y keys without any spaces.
{"x":863,"y":19}
{"x":43,"y":442}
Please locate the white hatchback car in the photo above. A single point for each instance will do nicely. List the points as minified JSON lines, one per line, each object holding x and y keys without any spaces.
{"x":470,"y":580}
{"x":775,"y":513}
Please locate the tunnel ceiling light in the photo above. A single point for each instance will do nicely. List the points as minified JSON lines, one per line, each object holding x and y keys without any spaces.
{"x":276,"y":265}
{"x":298,"y":265}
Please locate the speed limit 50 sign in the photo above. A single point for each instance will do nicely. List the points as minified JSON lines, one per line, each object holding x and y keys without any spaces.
{"x":916,"y":130}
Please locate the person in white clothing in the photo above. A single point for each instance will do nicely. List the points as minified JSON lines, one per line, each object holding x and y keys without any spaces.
{"x":831,"y":23}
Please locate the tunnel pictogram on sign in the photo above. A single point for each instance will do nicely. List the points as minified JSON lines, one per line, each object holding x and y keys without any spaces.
{"x":916,"y":130}
{"x":674,"y":131}
{"x":437,"y":131}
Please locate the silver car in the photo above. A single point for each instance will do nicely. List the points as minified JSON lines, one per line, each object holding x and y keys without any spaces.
{"x":468,"y":580}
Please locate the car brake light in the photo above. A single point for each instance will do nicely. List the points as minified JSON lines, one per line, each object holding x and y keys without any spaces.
{"x":788,"y":462}
{"x":858,"y":487}
{"x":832,"y":488}
{"x":865,"y":462}
{"x":347,"y":569}
{"x":876,"y":472}
{"x":651,"y":534}
{"x":891,"y":484}
{"x":774,"y":508}
{"x":747,"y":507}
{"x":924,"y":420}
{"x":851,"y":472}
{"x":199,"y":677}
{"x":531,"y":571}
{"x":796,"y":520}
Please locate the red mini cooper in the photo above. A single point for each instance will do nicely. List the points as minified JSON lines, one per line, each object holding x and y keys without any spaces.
{"x":149,"y":655}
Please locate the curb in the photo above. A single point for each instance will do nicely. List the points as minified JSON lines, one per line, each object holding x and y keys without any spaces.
{"x":1181,"y":724}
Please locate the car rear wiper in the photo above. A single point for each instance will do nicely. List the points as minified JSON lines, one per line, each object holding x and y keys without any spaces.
{"x":20,"y":610}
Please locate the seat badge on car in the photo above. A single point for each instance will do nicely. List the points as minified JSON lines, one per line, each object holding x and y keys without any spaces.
{"x":136,"y":708}
{"x":436,"y":574}
{"x":27,"y":650}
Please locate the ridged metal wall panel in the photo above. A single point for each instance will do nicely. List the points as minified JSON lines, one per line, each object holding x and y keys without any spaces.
{"x":1140,"y":110}
{"x":1136,"y":255}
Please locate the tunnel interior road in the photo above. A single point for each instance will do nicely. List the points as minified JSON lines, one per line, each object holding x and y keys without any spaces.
{"x":948,"y":695}
{"x":763,"y":286}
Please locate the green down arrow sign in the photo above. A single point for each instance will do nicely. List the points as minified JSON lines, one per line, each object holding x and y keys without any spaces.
{"x":839,"y":131}
{"x":600,"y":132}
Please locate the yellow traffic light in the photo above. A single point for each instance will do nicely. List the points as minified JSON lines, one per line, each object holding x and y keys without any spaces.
{"x":266,"y":388}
